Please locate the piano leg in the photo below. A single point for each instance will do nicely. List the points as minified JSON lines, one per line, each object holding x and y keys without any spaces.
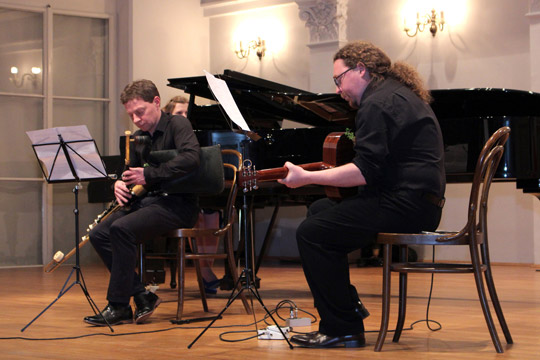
{"x":266,"y":241}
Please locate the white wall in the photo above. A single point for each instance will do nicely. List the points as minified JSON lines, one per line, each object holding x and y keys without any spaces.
{"x":288,"y":66}
{"x":490,"y":48}
{"x":170,"y":39}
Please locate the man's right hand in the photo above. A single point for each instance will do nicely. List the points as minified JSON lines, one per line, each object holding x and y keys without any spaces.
{"x":121,"y":192}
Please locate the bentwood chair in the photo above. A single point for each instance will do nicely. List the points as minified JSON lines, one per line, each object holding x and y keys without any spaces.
{"x":189,"y":236}
{"x":473,"y":235}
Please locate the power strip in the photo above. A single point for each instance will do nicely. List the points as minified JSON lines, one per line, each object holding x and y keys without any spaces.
{"x":272,"y":333}
{"x":298,"y":322}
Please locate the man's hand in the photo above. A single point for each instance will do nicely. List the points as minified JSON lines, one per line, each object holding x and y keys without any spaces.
{"x":121,"y":192}
{"x":296,"y":176}
{"x":134,"y":176}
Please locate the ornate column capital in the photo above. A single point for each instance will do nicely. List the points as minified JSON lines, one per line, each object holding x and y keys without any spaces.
{"x":325,"y":19}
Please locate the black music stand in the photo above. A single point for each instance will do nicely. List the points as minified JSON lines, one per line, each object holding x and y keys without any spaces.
{"x":69,"y":154}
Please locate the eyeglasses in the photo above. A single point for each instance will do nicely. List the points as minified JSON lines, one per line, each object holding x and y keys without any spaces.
{"x":337,"y":79}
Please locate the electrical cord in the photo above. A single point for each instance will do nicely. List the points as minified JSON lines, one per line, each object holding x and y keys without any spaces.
{"x":282,"y":304}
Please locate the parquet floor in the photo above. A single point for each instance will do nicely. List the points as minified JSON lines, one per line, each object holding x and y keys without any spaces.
{"x":61,"y":334}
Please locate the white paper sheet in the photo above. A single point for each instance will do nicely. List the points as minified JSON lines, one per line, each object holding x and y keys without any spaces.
{"x":83,"y":153}
{"x":223,"y":95}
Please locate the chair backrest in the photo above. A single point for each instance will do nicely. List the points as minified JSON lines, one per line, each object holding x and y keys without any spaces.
{"x":487,"y":164}
{"x":233,"y":160}
{"x":207,"y":179}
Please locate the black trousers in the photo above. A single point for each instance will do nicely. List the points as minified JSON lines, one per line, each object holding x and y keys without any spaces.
{"x":116,"y":238}
{"x":332,"y":230}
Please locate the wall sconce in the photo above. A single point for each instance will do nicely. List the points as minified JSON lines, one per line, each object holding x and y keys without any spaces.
{"x":423,"y":21}
{"x":18,"y":80}
{"x":258,"y":45}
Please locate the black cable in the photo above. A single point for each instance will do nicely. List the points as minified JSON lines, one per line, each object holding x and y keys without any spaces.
{"x":427,"y":320}
{"x":124,"y":334}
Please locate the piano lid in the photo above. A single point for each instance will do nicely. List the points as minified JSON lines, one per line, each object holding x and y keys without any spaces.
{"x":264,"y":103}
{"x":468,"y":117}
{"x":482,"y":102}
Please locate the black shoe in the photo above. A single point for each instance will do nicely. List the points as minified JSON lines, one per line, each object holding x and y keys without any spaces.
{"x":318,"y":340}
{"x":359,"y":306}
{"x":146,"y":302}
{"x":115,"y":315}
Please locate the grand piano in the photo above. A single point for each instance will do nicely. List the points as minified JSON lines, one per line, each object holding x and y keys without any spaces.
{"x":467,"y":118}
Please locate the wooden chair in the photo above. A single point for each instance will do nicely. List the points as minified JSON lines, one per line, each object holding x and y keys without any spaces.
{"x":189,"y":236}
{"x":473,"y":235}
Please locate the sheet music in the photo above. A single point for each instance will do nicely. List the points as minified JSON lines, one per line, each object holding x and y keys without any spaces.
{"x":81,"y":149}
{"x":223,"y":95}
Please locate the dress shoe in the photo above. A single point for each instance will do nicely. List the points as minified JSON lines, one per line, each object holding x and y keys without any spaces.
{"x":114,"y":315}
{"x":359,"y":306}
{"x":318,"y":340}
{"x":146,"y":302}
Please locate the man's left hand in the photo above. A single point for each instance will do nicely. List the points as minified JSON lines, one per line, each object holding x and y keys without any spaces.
{"x":134,"y":176}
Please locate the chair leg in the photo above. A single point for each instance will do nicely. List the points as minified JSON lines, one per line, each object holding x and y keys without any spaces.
{"x":497,"y":305}
{"x":387,"y":258}
{"x":181,"y":264}
{"x":402,"y":306}
{"x":493,"y":295}
{"x":403,"y":255}
{"x":483,"y":300}
{"x":194,"y":250}
{"x":171,"y":246}
{"x":172,"y":267}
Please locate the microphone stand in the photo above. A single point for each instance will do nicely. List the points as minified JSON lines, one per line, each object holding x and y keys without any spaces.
{"x":247,"y":275}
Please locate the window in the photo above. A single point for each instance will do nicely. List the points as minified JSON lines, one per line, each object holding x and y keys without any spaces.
{"x":65,"y":83}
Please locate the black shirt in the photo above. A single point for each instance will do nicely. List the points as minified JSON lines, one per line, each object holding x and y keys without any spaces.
{"x":172,"y":132}
{"x":398,"y":142}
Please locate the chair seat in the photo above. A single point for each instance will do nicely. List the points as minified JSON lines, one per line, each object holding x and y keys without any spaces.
{"x":424,"y":267}
{"x":426,"y":238}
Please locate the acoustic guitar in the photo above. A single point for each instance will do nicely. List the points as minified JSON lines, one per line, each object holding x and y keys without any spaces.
{"x":337,"y":150}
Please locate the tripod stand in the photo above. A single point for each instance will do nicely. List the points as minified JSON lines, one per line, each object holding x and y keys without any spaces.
{"x":55,"y":155}
{"x":247,"y":277}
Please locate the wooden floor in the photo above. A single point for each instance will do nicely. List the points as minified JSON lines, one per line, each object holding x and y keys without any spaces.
{"x":61,"y":334}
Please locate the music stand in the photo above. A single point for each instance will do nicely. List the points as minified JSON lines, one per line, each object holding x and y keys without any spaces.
{"x":68,"y":154}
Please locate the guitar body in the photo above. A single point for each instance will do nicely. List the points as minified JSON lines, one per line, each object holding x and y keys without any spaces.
{"x":338,"y":150}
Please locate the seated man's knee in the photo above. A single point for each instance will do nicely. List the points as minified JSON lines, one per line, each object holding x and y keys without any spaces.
{"x":306,"y":231}
{"x":319,"y":205}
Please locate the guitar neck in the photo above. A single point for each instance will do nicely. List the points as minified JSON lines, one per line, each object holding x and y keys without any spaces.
{"x":280,"y":173}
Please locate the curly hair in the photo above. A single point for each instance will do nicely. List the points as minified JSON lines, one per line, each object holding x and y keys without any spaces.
{"x":381,"y":67}
{"x":139,"y":89}
{"x":179,"y":99}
